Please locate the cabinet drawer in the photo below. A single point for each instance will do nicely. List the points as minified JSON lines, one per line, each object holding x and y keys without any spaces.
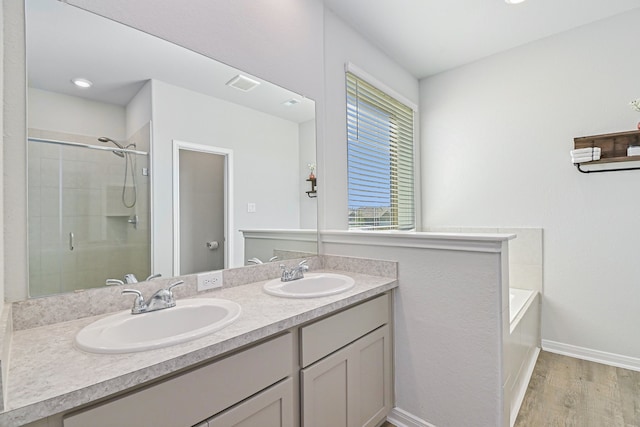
{"x":270,"y":408}
{"x":191,"y":397}
{"x":328,"y":335}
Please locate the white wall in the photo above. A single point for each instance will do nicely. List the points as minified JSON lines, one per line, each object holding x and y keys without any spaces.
{"x":308,"y":206}
{"x":277,"y":41}
{"x":265,"y":156}
{"x":138,"y":110}
{"x":71,"y":114}
{"x":342,"y":45}
{"x":496,"y":137}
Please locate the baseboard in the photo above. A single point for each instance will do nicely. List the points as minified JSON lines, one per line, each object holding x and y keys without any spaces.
{"x":522,"y":390}
{"x":591,"y":355}
{"x":401,"y":418}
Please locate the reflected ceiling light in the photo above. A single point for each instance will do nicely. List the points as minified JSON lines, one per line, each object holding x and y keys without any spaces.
{"x":513,"y":1}
{"x":243,"y":83}
{"x":82,"y":83}
{"x":290,"y":102}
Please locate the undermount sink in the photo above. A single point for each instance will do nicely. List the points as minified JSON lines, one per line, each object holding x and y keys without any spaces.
{"x":311,"y":286}
{"x":125,"y":332}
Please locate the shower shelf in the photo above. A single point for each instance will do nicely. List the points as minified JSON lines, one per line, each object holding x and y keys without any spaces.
{"x":613,"y":148}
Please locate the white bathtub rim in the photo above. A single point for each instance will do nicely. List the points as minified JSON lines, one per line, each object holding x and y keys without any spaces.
{"x":523,"y":309}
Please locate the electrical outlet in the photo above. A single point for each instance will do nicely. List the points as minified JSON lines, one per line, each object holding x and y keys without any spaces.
{"x":209,"y":280}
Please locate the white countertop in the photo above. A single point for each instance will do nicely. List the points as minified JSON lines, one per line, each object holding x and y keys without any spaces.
{"x":49,"y":375}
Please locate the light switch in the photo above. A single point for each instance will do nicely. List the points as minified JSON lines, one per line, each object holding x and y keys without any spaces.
{"x":251,"y":207}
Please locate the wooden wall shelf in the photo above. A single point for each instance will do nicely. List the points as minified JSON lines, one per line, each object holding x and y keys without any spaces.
{"x":312,"y":193}
{"x":613,"y":149}
{"x":613,"y":146}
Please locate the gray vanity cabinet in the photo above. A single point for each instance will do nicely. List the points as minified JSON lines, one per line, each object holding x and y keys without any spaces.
{"x":271,"y":408}
{"x":336,"y":371}
{"x":263,"y":370}
{"x":351,"y":386}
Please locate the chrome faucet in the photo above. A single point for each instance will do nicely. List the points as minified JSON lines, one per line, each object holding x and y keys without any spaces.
{"x":161,"y":299}
{"x":256,"y":260}
{"x":295,"y":273}
{"x":128,"y":279}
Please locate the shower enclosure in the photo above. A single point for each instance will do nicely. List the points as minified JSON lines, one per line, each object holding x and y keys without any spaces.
{"x":88,"y":210}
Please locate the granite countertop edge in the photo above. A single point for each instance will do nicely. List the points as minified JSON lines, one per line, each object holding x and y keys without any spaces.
{"x":17,"y":414}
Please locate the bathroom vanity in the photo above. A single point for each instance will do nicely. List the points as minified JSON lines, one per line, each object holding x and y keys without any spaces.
{"x":284,"y":362}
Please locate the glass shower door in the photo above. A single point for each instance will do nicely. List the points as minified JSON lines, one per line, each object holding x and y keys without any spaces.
{"x":86,"y":224}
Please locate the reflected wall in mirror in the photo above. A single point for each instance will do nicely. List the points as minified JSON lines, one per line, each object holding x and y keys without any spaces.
{"x":101,"y":213}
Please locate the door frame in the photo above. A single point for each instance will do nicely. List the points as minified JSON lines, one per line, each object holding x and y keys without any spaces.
{"x":228,"y":197}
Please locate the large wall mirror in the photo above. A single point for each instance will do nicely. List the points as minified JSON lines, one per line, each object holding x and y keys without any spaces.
{"x":158,"y":160}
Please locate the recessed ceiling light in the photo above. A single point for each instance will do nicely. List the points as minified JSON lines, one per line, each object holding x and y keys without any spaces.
{"x":513,"y":1}
{"x":82,"y":83}
{"x":290,"y":102}
{"x":243,"y":83}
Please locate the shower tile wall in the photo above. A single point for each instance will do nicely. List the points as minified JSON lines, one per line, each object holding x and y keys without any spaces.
{"x":78,"y":190}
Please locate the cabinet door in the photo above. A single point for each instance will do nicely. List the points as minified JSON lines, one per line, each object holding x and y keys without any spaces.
{"x":271,"y":408}
{"x":351,"y":387}
{"x":325,"y":392}
{"x":372,"y":355}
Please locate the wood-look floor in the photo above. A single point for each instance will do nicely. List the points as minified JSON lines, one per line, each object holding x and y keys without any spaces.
{"x":568,"y":392}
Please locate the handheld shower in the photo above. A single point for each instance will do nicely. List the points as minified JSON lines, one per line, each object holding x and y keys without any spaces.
{"x":117,"y":144}
{"x":128,"y":164}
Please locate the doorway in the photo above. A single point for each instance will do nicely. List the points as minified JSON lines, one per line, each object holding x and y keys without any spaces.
{"x":201,"y":207}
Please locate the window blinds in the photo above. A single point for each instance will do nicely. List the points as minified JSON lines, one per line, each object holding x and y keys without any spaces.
{"x":380,"y":159}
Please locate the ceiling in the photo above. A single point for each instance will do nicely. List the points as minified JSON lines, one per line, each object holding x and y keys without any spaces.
{"x":64,"y":42}
{"x":430,"y":36}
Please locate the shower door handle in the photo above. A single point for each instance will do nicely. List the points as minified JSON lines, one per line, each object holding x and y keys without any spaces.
{"x":70,"y":241}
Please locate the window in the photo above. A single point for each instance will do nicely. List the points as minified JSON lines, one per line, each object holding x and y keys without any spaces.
{"x":380,"y":159}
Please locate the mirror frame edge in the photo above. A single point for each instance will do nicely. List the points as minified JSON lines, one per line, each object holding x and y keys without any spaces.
{"x":15,"y":198}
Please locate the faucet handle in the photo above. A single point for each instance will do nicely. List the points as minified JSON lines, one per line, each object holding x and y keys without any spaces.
{"x":153,"y":276}
{"x":138,"y":303}
{"x":130,"y":278}
{"x":113,"y":282}
{"x":303,"y":262}
{"x":173,"y":285}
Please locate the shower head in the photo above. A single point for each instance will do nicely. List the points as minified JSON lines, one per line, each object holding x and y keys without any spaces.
{"x":117,"y":144}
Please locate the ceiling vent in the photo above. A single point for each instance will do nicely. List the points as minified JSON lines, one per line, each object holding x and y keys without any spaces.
{"x":290,"y":102}
{"x":243,"y":83}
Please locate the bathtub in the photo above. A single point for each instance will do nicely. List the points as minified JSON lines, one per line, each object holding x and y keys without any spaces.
{"x":523,"y":345}
{"x":519,"y":301}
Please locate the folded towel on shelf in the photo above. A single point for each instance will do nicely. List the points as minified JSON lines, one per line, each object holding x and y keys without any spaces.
{"x":583,"y":158}
{"x":585,"y":151}
{"x":578,"y":151}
